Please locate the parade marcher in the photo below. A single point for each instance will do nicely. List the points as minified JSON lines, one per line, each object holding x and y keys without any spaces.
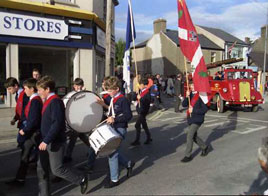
{"x":143,"y":106}
{"x":195,"y":118}
{"x":53,"y":140}
{"x":119,"y":115}
{"x":178,"y":93}
{"x":12,"y":86}
{"x":104,"y":102}
{"x":78,"y":86}
{"x":31,"y":132}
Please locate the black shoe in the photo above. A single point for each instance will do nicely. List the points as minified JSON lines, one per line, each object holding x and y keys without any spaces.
{"x":15,"y":182}
{"x":135,"y":143}
{"x":84,"y":184}
{"x":148,"y":141}
{"x":205,"y":152}
{"x":111,"y":184}
{"x":130,"y":168}
{"x":186,"y":159}
{"x":67,"y":159}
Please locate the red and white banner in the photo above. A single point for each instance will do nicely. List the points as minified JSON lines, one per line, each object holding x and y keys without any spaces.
{"x":190,"y":47}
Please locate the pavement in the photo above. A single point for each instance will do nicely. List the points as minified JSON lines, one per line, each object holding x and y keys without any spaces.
{"x":231,"y":168}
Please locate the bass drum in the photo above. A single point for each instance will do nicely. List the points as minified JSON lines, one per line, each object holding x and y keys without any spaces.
{"x":82,"y":112}
{"x":66,"y":98}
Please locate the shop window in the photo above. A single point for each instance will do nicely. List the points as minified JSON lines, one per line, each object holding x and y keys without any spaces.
{"x":3,"y":92}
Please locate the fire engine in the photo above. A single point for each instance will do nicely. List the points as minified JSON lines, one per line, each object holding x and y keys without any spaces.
{"x":234,"y":87}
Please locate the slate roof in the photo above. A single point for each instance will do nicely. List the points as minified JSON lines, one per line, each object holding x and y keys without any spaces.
{"x":204,"y":42}
{"x":173,"y":35}
{"x":224,"y":35}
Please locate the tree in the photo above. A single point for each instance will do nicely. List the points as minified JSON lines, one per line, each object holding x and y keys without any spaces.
{"x":119,"y":52}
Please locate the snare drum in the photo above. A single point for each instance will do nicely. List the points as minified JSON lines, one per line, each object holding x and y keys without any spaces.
{"x":104,"y":140}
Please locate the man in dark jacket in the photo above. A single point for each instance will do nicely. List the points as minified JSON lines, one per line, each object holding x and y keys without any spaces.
{"x":178,"y":93}
{"x":195,"y":117}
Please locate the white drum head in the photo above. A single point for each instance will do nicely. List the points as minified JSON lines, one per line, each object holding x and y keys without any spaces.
{"x":83,"y":112}
{"x":66,"y":98}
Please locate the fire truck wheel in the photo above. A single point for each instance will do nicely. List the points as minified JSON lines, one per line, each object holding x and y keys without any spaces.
{"x":220,"y":104}
{"x":254,"y":108}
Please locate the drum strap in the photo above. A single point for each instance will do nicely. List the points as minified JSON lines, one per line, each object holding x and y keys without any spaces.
{"x":111,"y":108}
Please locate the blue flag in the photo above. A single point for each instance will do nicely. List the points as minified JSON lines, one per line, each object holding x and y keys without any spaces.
{"x":129,"y":39}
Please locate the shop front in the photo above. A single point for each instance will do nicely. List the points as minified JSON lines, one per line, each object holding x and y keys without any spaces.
{"x":60,"y":42}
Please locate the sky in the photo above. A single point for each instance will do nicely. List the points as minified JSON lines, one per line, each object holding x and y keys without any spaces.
{"x":241,"y":18}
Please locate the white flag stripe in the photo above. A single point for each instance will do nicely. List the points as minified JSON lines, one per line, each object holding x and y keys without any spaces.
{"x":197,"y":57}
{"x":183,"y":34}
{"x":126,"y":72}
{"x":204,"y":97}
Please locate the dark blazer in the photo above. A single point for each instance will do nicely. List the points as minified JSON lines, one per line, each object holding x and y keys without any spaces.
{"x":199,"y":111}
{"x":53,"y":122}
{"x":34,"y":118}
{"x":144,"y":106}
{"x":122,"y":112}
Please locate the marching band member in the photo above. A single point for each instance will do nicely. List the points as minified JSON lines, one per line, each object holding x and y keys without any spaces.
{"x":119,"y":115}
{"x":22,"y":100}
{"x":144,"y":99}
{"x":195,"y":117}
{"x":53,"y":140}
{"x":30,"y":132}
{"x":78,"y":86}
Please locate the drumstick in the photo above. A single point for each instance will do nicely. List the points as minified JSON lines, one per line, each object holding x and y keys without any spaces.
{"x":101,"y":123}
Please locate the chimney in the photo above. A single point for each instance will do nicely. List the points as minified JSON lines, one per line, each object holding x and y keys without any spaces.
{"x":160,"y":25}
{"x":247,"y":40}
{"x":263,"y":31}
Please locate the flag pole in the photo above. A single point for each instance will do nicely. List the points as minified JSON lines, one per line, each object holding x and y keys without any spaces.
{"x":187,"y":81}
{"x":133,"y":39}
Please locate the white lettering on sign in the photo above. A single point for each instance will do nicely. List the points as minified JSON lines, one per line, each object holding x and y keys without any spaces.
{"x":32,"y":26}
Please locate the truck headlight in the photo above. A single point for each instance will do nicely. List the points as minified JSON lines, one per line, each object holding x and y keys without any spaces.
{"x":224,"y":90}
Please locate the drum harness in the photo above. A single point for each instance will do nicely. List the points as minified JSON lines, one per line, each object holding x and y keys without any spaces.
{"x":111,"y":109}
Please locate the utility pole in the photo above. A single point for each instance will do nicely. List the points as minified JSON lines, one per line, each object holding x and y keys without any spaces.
{"x":265,"y":53}
{"x":108,"y":38}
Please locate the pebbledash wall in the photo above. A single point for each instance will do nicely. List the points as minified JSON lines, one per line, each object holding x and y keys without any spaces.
{"x":60,"y":40}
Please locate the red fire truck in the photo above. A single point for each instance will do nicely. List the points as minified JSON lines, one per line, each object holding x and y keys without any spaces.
{"x":235,"y":87}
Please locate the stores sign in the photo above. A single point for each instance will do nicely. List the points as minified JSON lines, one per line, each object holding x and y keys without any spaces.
{"x":31,"y":26}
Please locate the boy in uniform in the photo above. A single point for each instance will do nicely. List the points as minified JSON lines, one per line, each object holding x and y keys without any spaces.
{"x":12,"y":86}
{"x":143,"y":106}
{"x":119,"y":114}
{"x":30,"y":133}
{"x":78,"y":86}
{"x":53,"y":140}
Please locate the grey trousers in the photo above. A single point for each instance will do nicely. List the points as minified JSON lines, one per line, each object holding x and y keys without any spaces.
{"x":53,"y":158}
{"x":191,"y":138}
{"x":177,"y":103}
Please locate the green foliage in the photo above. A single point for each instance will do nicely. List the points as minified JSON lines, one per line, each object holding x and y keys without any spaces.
{"x":119,"y":52}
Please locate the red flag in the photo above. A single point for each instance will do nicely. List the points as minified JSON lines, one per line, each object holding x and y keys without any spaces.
{"x":190,"y":47}
{"x":230,"y":49}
